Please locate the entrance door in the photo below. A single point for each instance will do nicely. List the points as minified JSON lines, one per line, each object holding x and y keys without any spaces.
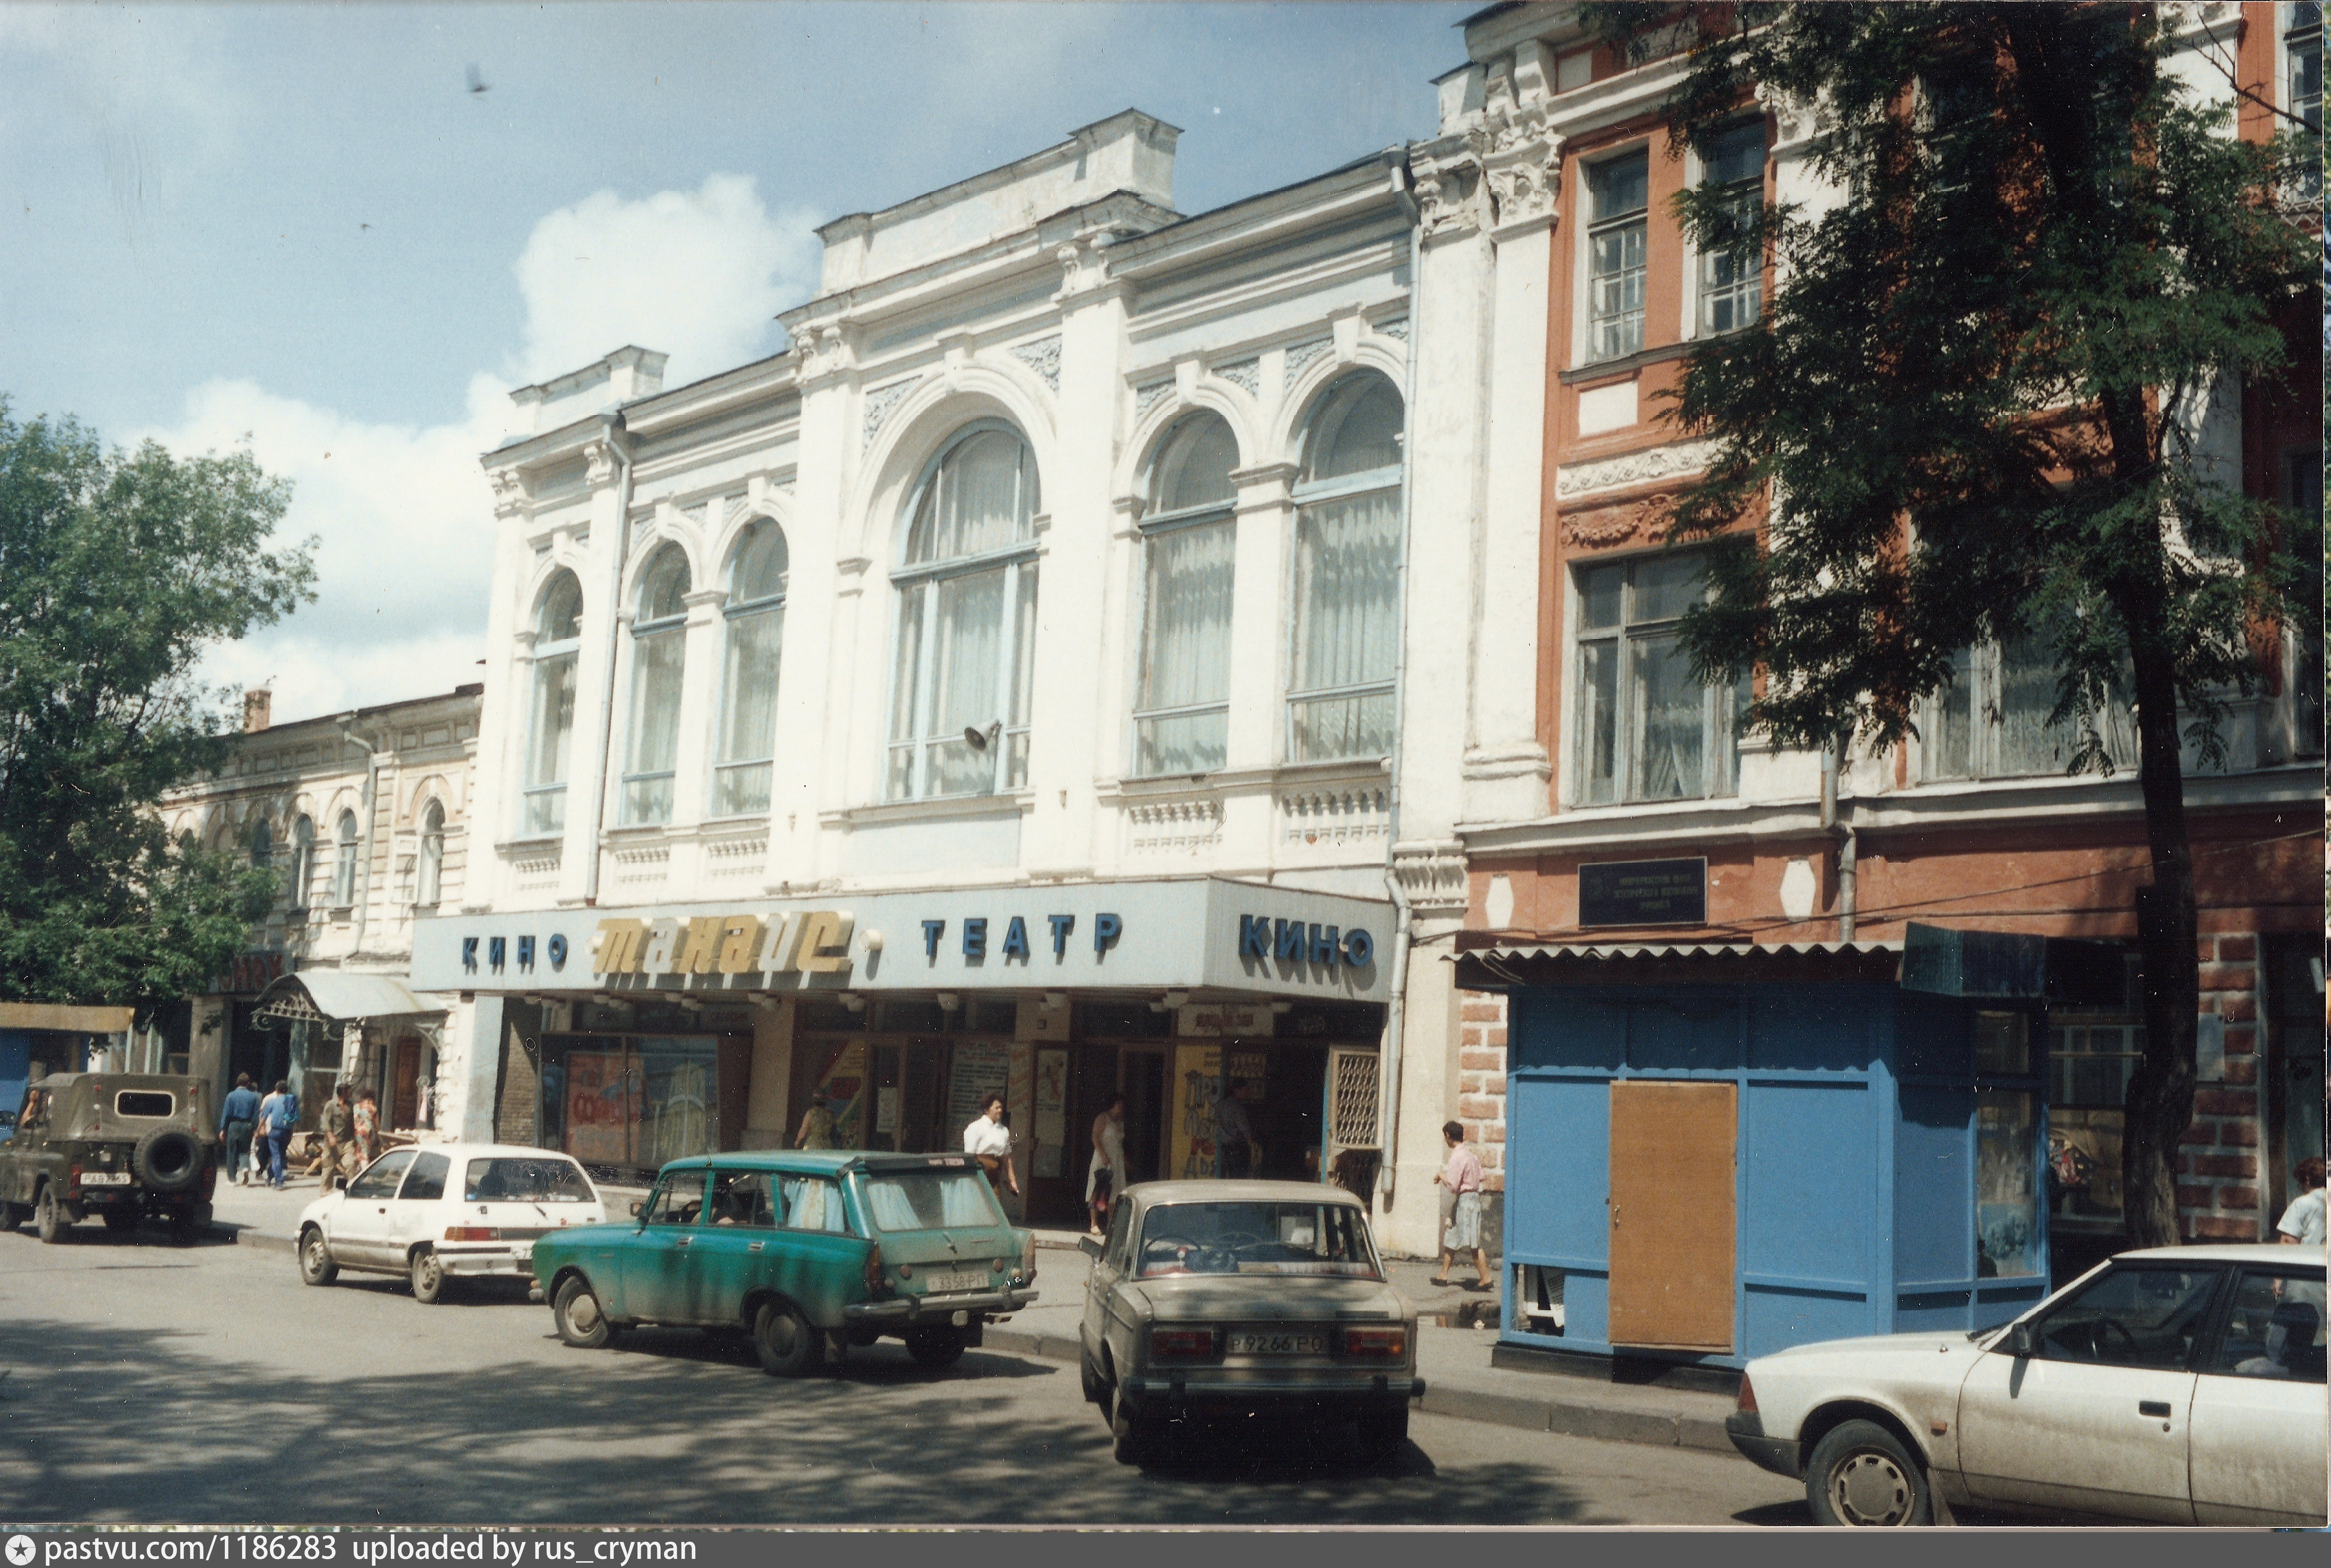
{"x":1141,"y":1074}
{"x":1671,"y":1215}
{"x":404,"y":1084}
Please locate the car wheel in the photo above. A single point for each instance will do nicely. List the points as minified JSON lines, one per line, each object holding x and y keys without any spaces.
{"x":49,"y":1217}
{"x":785,"y":1341}
{"x":14,"y":1215}
{"x":122,"y":1218}
{"x":935,"y":1348}
{"x":429,"y":1280}
{"x":1137,"y":1437}
{"x":581,"y":1322}
{"x":316,"y":1265}
{"x":1385,"y":1432}
{"x":1861,"y":1474}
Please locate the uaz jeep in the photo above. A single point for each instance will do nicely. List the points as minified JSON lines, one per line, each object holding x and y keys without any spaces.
{"x":121,"y":1146}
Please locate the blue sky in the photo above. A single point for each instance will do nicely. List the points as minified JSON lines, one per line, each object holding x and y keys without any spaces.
{"x":297,"y":224}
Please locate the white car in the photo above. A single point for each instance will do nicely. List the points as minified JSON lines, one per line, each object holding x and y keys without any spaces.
{"x":444,"y":1212}
{"x":2179,"y":1385}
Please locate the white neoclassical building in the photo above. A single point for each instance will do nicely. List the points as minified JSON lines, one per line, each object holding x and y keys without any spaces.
{"x":998,"y":690}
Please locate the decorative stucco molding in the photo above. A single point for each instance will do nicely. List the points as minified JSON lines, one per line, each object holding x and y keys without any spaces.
{"x":1448,"y":195}
{"x":1519,"y":154}
{"x":1620,"y":523}
{"x":1246,"y":374}
{"x":1043,"y":357}
{"x":510,"y":492}
{"x":1149,"y":397}
{"x":881,"y":401}
{"x":1395,"y":327}
{"x":599,"y":462}
{"x":1303,"y":354}
{"x":1431,"y":874}
{"x":1634,"y":468}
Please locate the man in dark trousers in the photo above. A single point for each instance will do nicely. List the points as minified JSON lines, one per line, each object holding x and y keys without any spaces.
{"x":237,"y":1117}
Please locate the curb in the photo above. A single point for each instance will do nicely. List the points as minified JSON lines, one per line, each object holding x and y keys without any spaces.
{"x":1599,"y":1422}
{"x":249,"y":1236}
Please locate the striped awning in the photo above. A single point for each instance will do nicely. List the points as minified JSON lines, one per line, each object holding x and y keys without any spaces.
{"x":1541,"y":963}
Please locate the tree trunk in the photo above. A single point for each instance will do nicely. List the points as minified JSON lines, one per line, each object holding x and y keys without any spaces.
{"x":2160,"y":1103}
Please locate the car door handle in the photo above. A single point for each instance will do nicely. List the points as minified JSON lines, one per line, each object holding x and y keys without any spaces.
{"x":2153,"y":1407}
{"x":682,"y":1240}
{"x":754,"y":1246}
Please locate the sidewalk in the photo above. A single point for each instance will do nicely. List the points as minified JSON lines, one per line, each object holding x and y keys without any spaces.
{"x":1454,"y":1362}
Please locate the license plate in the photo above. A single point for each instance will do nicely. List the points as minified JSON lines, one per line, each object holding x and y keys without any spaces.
{"x":1279,"y":1344}
{"x":105,"y":1178}
{"x":948,"y":1284}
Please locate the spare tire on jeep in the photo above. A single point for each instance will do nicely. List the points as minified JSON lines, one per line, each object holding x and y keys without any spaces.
{"x":167,"y":1160}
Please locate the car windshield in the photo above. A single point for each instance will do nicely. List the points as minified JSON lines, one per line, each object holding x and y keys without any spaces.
{"x":524,"y":1180}
{"x":1252,"y":1238}
{"x":929,"y":1199}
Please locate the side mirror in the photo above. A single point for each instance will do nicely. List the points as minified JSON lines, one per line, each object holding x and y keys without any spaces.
{"x":1089,"y":1245}
{"x":2023,"y":1340}
{"x":636,"y":1205}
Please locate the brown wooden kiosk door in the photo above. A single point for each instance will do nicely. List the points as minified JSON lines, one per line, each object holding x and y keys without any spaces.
{"x":1671,"y":1215}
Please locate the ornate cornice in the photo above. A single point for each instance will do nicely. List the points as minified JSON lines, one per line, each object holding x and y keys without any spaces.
{"x":1431,"y":874}
{"x":1635,"y":468}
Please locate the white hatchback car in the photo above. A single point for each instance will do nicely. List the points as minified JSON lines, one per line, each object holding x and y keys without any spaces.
{"x":2179,"y":1385}
{"x":446,"y":1211}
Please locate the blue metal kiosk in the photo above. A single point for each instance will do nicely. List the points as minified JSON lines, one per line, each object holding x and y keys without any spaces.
{"x":1718,"y":1151}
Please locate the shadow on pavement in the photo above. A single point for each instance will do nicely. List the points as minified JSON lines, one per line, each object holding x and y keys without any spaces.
{"x":108,"y":1425}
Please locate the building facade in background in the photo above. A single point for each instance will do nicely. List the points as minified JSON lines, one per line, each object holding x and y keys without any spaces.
{"x":363,"y":817}
{"x":1732,"y":1109}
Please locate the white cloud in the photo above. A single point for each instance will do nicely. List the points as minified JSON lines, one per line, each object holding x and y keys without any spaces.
{"x":402,"y":514}
{"x":700,"y":275}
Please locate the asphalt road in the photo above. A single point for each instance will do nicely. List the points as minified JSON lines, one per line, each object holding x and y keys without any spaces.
{"x":146,"y":1383}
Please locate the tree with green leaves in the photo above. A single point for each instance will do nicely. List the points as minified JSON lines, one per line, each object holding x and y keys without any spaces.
{"x":1972,"y":410}
{"x":117,"y":570}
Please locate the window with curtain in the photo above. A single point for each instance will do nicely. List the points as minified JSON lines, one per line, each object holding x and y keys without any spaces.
{"x":303,"y":861}
{"x":748,"y":701}
{"x":658,"y":652}
{"x":1618,"y":201}
{"x":965,"y":650}
{"x":1346,"y":611}
{"x":1732,"y":277}
{"x":431,"y":870}
{"x":344,"y":863}
{"x":1647,"y":729}
{"x":557,"y":647}
{"x":1181,"y":719}
{"x":1992,"y":720}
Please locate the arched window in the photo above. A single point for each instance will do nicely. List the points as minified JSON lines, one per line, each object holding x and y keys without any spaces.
{"x":303,"y":860}
{"x":431,"y":875}
{"x":344,"y":865}
{"x":263,"y":843}
{"x":659,"y":649}
{"x":748,"y":699}
{"x":967,"y":622}
{"x":557,"y":647}
{"x":1181,"y":715}
{"x":1347,"y":610}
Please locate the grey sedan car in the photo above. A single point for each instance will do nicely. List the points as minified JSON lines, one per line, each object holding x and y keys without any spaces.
{"x":1215,"y":1304}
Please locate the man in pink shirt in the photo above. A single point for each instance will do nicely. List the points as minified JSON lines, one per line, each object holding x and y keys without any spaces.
{"x":1461,"y":1179}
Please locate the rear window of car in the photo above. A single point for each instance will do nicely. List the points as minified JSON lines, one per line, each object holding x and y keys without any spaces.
{"x":518,"y":1179}
{"x":930,"y":1201}
{"x":1257,"y":1237}
{"x":145,"y":1102}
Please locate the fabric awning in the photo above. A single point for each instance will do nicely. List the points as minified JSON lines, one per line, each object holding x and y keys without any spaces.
{"x":1543,"y":963}
{"x":336,"y":996}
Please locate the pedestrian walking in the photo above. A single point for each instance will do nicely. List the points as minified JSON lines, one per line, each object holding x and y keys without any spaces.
{"x":1460,"y":1181}
{"x":238,"y":1119}
{"x":989,"y":1141}
{"x":1236,"y":1154}
{"x":364,"y":1127}
{"x":816,"y":1130}
{"x":2301,"y":1224}
{"x":278,"y":1112}
{"x":1104,"y":1177}
{"x":338,"y":1123}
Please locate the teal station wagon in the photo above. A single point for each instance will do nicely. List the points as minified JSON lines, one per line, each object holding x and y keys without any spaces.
{"x":810,"y":1252}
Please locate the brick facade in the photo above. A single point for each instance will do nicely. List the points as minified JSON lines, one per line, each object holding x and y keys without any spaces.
{"x":1481,"y":1080}
{"x":2218,"y":1173}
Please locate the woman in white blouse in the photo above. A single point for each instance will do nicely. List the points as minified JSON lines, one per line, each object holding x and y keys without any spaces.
{"x":989,"y":1141}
